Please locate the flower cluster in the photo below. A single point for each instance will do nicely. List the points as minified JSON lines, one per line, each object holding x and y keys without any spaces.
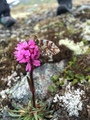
{"x":27,"y":52}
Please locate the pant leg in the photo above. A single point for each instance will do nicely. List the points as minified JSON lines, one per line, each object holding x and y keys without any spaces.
{"x":4,"y":8}
{"x":68,"y":3}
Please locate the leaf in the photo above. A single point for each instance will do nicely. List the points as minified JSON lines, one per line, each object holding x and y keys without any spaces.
{"x":74,"y":59}
{"x":80,"y":77}
{"x":27,"y":118}
{"x":88,"y":69}
{"x":58,"y":83}
{"x":61,"y":83}
{"x":74,"y":82}
{"x":14,"y":115}
{"x":35,"y":116}
{"x":71,"y":63}
{"x":55,"y":78}
{"x":85,"y":41}
{"x":52,"y":88}
{"x":71,"y":74}
{"x":49,"y":116}
{"x":87,"y":77}
{"x":39,"y":117}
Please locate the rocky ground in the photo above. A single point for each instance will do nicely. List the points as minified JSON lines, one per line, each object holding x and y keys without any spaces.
{"x":43,"y":25}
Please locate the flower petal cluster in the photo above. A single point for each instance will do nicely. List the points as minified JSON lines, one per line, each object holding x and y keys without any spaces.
{"x":27,"y":52}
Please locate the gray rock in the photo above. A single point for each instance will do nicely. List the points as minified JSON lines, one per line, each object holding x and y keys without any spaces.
{"x":86,"y":37}
{"x":42,"y":75}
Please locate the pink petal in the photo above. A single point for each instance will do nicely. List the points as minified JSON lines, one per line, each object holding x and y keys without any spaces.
{"x":28,"y":67}
{"x":36,"y":63}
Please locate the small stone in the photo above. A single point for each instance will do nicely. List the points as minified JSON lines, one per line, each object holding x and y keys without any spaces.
{"x":13,"y":35}
{"x":86,"y":37}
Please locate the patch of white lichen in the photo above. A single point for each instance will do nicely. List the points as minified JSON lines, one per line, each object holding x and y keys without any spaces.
{"x":78,"y":48}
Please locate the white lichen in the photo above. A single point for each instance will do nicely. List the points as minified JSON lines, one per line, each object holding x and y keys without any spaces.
{"x":4,"y":93}
{"x":12,"y":78}
{"x":78,"y":48}
{"x":71,"y":100}
{"x":86,"y":30}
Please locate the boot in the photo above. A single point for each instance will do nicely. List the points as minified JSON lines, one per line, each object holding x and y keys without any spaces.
{"x":7,"y":21}
{"x":64,"y":6}
{"x":5,"y":17}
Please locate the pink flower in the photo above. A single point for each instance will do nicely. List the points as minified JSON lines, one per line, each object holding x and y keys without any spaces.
{"x":27,"y":52}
